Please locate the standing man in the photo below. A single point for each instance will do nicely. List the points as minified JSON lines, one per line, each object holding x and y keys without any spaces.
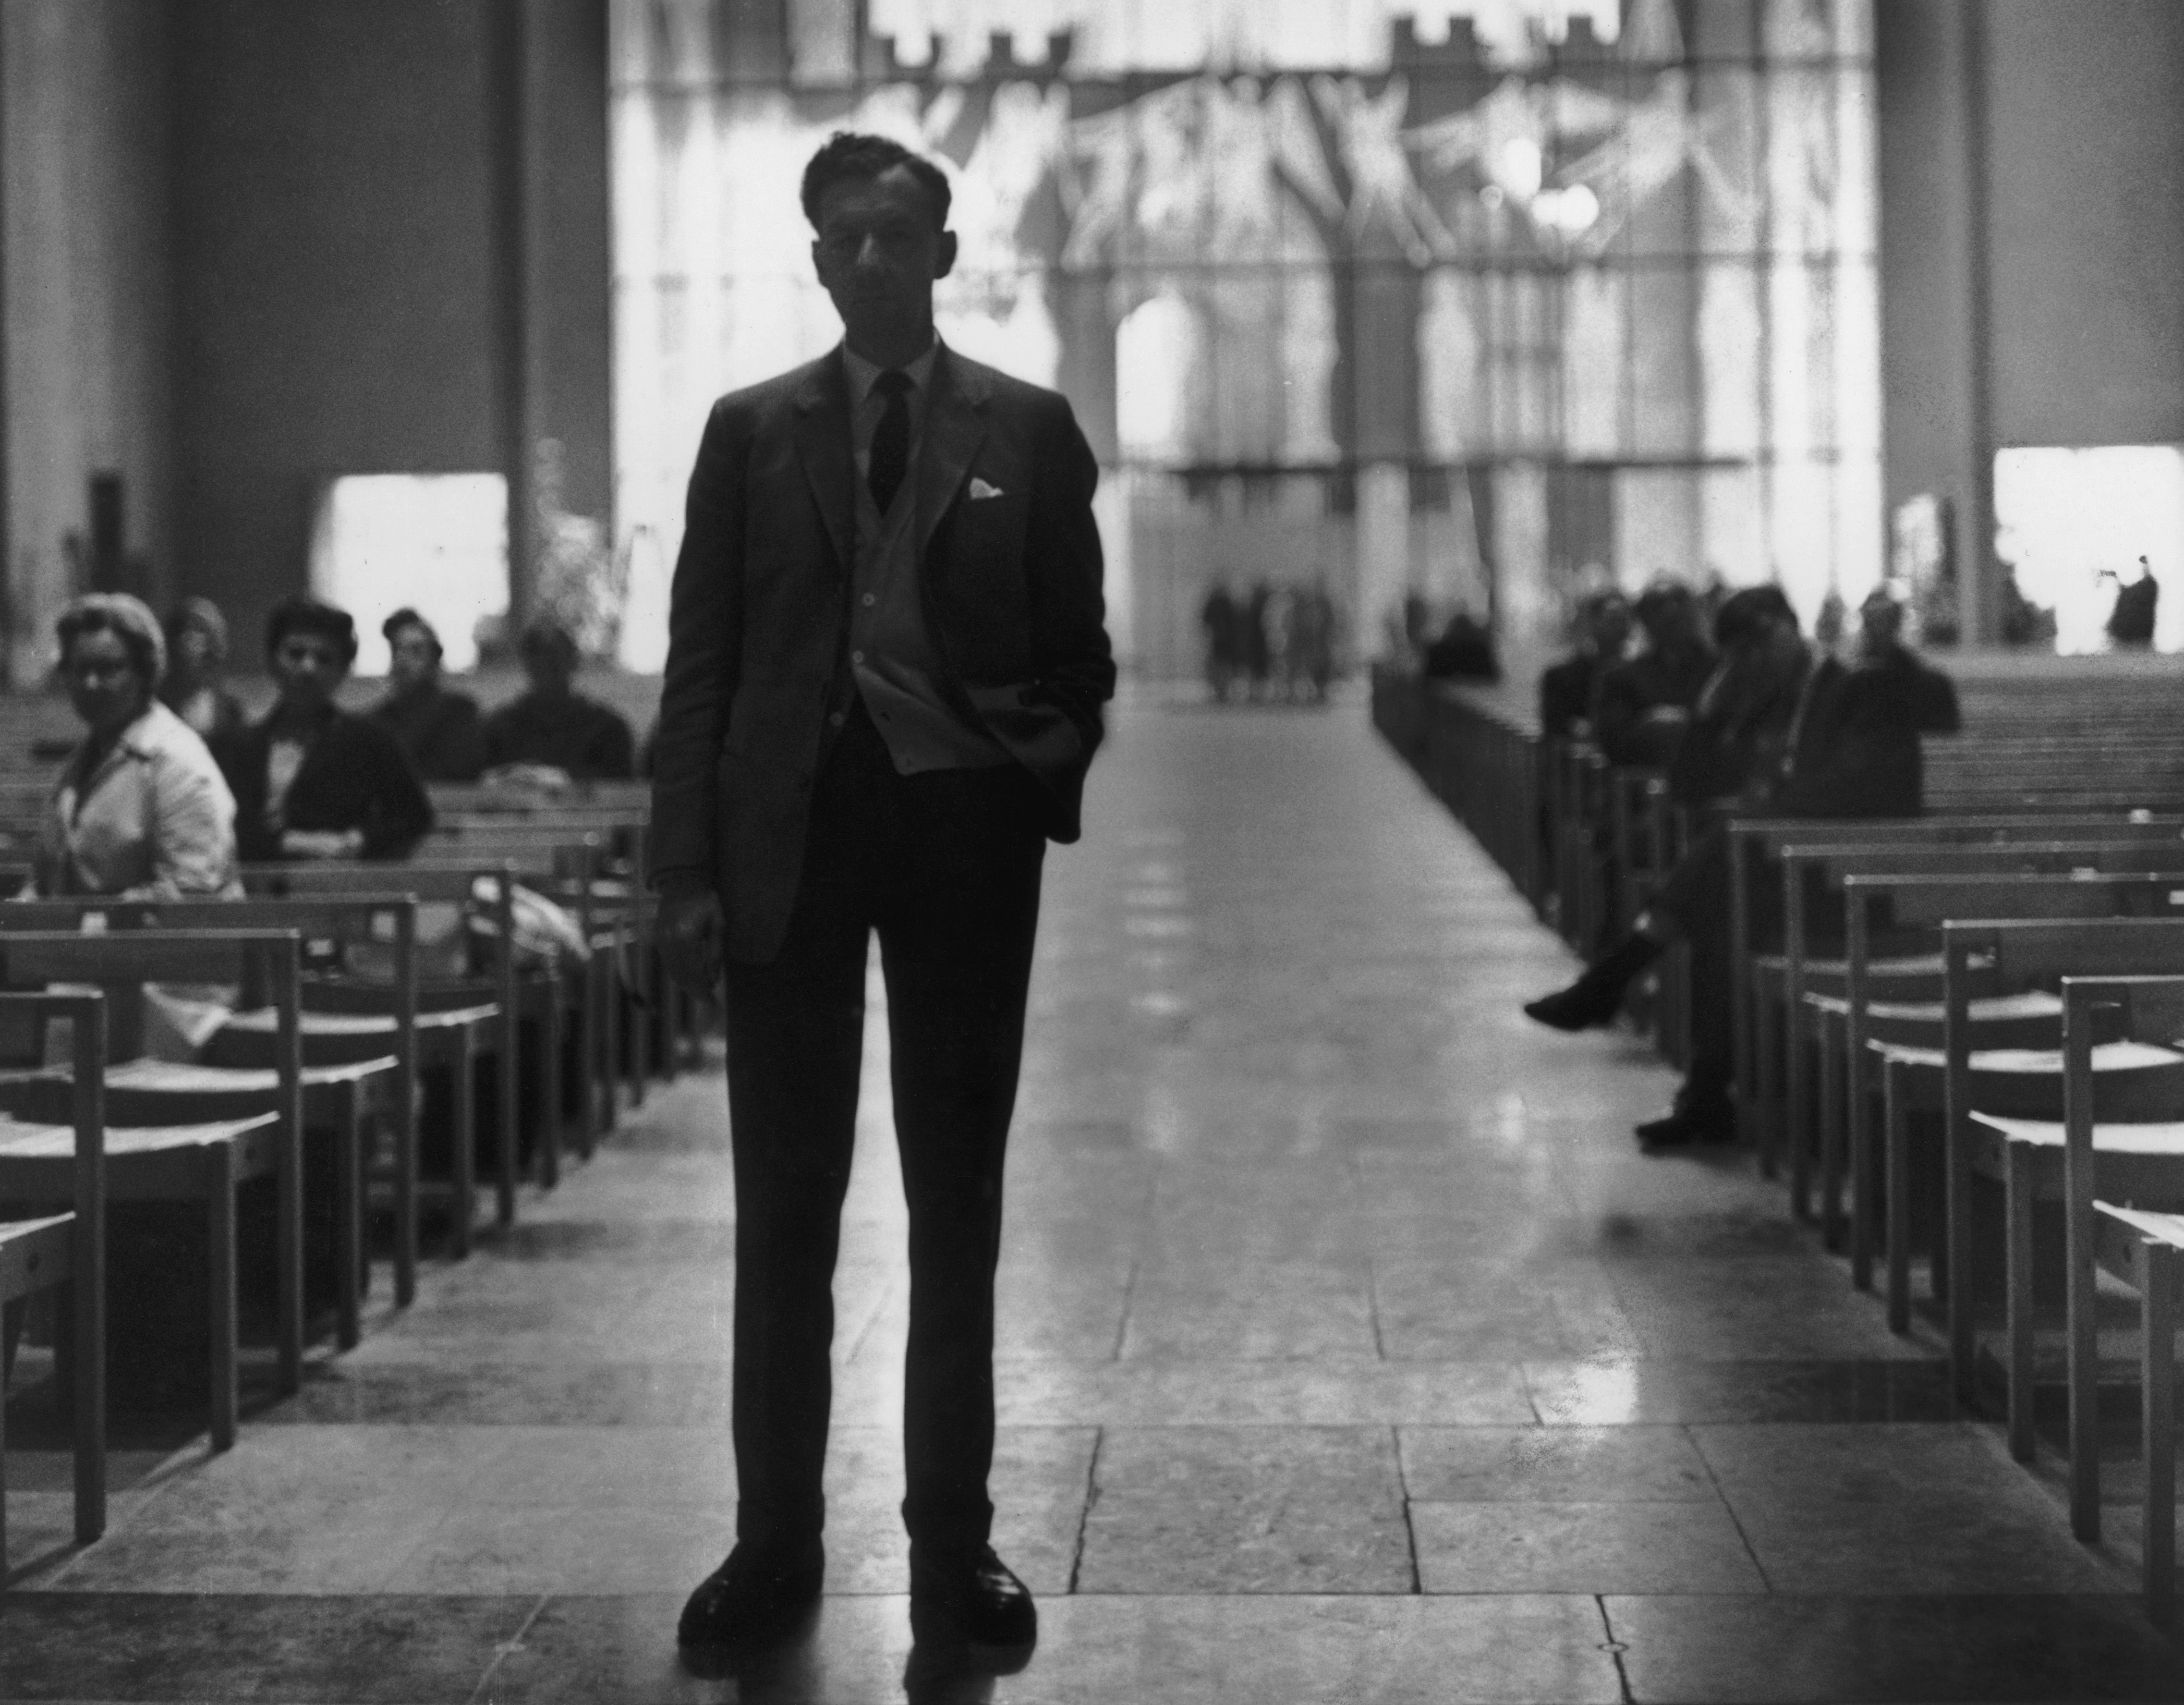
{"x":885,"y":670}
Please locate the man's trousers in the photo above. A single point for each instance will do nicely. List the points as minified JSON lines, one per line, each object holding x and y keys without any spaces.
{"x":944,"y":866}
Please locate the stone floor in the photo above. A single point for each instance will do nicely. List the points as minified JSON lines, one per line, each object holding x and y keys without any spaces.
{"x":1349,"y":1352}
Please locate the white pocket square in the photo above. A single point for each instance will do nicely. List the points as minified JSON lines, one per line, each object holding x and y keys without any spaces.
{"x":980,"y":489}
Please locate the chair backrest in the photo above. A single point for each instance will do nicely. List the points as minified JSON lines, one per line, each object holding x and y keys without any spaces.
{"x":84,"y":1013}
{"x":455,"y":883}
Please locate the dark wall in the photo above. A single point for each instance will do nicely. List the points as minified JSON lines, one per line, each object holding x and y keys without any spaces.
{"x":346,"y":189}
{"x":2086,"y":166}
{"x":2032,"y":262}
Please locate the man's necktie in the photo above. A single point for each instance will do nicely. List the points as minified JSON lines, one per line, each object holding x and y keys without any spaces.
{"x":890,"y":456}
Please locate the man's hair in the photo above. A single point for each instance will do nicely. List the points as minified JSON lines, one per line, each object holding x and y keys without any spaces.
{"x":204,"y":615}
{"x":547,"y":639}
{"x":851,"y":156}
{"x":1746,"y":615}
{"x":407,"y":617}
{"x":301,"y":613}
{"x":128,"y":619}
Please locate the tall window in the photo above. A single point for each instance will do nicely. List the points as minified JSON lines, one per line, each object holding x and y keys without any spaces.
{"x":1402,"y":309}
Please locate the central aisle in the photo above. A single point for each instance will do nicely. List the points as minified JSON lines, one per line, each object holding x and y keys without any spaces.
{"x":1349,"y":1352}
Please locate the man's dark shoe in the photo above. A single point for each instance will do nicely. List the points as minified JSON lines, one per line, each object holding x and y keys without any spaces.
{"x":1695,"y":1119}
{"x":750,"y":1600}
{"x":1589,"y":1000}
{"x":970,"y":1598}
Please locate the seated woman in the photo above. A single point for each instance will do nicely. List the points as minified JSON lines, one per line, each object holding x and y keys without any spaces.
{"x":553,"y":734}
{"x":197,"y":648}
{"x":439,"y":730}
{"x":311,"y":781}
{"x":140,"y":809}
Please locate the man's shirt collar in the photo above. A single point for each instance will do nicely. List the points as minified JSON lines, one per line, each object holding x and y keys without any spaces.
{"x":863,"y":375}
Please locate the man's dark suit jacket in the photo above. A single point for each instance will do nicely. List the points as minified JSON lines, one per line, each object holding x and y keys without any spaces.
{"x":439,"y":730}
{"x":353,"y":777}
{"x":1858,"y":746}
{"x":1010,"y":581}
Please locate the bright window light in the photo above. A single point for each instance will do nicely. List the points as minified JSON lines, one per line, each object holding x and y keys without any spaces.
{"x":2073,"y":523}
{"x":437,"y":543}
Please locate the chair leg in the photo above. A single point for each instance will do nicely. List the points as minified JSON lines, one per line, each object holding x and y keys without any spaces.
{"x":349,"y":1223}
{"x":550,"y":1085}
{"x":463,"y":1209}
{"x":1897,"y":1190}
{"x":86,"y":1335}
{"x":1957,"y":1250}
{"x":2018,"y":1184}
{"x":2157,"y":1289}
{"x":638,"y":999}
{"x":219,"y":1229}
{"x":463,"y":1064}
{"x":1867,"y":1206}
{"x":1828,"y":1063}
{"x":405,"y":1196}
{"x":1797,"y":1127}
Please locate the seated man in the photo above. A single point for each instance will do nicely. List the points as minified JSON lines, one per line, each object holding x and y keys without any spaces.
{"x":1780,"y":731}
{"x":1567,"y":688}
{"x":1642,"y":706}
{"x":553,"y":734}
{"x":439,"y":730}
{"x":311,"y":781}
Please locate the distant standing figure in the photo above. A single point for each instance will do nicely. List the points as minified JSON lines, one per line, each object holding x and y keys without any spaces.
{"x":439,"y":730}
{"x":2130,"y":623}
{"x":311,"y":781}
{"x":1258,"y":659}
{"x":197,"y":650}
{"x":553,"y":734}
{"x":1311,"y":641}
{"x":1218,"y":617}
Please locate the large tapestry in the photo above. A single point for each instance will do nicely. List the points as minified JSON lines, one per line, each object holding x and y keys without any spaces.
{"x":1464,"y":310}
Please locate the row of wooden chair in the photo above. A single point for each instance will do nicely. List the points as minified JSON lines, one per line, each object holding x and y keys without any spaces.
{"x":1940,"y":1049}
{"x":317,"y":1075}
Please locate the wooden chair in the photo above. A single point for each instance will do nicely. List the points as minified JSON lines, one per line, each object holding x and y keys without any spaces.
{"x":1755,"y":842}
{"x":67,"y":1252}
{"x":1999,"y":1125}
{"x":199,"y":1148}
{"x":1813,"y":1009}
{"x":2146,"y":1251}
{"x":1871,"y":1029}
{"x":2120,"y":1173}
{"x":461,"y":1017}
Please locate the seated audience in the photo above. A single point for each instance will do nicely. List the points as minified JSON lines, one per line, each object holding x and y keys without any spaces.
{"x":553,"y":734}
{"x":439,"y":730}
{"x":1567,"y":689}
{"x":311,"y":781}
{"x":141,"y":810}
{"x":1644,"y":704}
{"x":1780,"y":730}
{"x":1464,"y":651}
{"x":196,"y":649}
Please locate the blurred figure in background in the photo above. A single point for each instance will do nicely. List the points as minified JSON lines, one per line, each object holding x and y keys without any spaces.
{"x":311,"y":781}
{"x":140,"y":809}
{"x":1220,"y":619}
{"x":1256,"y":659}
{"x":553,"y":734}
{"x":1464,"y":651}
{"x":1311,"y":639}
{"x":1644,"y":703}
{"x":439,"y":730}
{"x":1600,"y":630}
{"x":2130,"y":622}
{"x":196,"y":655}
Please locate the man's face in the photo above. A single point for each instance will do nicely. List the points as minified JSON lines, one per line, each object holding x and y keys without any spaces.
{"x":309,"y":667}
{"x":1880,"y":624}
{"x":549,"y":669}
{"x":879,"y":251}
{"x":412,"y":660}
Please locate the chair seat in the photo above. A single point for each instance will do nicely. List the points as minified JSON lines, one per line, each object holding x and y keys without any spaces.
{"x":1903,"y":965}
{"x":2035,"y":1003}
{"x":23,"y":1142}
{"x":2043,"y":1063}
{"x":265,"y":1020}
{"x":34,"y":1254}
{"x":2158,"y":1139}
{"x":186,"y":1077}
{"x":2159,"y":1228}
